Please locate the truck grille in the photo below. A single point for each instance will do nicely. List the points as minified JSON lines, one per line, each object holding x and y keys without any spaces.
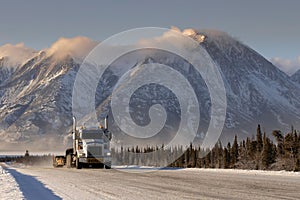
{"x":94,"y":151}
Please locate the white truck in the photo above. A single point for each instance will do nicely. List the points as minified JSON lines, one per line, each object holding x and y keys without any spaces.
{"x":91,"y":147}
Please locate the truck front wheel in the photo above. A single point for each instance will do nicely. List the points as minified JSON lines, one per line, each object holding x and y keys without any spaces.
{"x":78,"y":164}
{"x":69,"y":161}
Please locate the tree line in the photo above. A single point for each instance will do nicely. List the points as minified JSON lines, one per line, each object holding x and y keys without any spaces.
{"x":29,"y":159}
{"x":278,"y":151}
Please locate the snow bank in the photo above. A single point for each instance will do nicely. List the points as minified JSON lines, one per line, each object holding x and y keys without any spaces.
{"x":132,"y":167}
{"x":213,"y":170}
{"x":242,"y":171}
{"x":9,"y":189}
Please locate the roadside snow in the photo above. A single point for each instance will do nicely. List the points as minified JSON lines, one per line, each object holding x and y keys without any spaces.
{"x":214,"y":170}
{"x":9,"y":189}
{"x":15,"y":185}
{"x":134,"y":167}
{"x":243,"y":171}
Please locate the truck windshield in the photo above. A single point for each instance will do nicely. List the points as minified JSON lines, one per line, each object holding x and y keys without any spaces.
{"x":91,"y":135}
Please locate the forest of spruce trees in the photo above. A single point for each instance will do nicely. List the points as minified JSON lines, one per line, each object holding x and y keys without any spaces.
{"x":276,"y":152}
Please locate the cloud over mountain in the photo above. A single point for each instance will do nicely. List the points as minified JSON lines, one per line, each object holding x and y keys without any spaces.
{"x":77,"y":47}
{"x":16,"y":54}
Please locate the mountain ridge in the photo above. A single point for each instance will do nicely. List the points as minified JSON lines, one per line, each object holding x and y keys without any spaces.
{"x":296,"y":76}
{"x":36,"y":96}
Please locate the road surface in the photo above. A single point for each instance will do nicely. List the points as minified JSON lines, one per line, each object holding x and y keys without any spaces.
{"x":63,"y":183}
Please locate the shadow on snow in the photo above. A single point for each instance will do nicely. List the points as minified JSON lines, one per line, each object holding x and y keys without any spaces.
{"x":32,"y":188}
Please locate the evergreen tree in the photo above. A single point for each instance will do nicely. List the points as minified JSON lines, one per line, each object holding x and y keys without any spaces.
{"x":297,"y":167}
{"x":199,"y":158}
{"x":220,"y":155}
{"x":248,"y":148}
{"x":194,"y":158}
{"x":268,"y":157}
{"x":296,"y":145}
{"x":181,"y":159}
{"x":207,"y":162}
{"x":289,"y":145}
{"x":259,"y":139}
{"x":214,"y":156}
{"x":234,"y":151}
{"x":187,"y":157}
{"x":279,"y":139}
{"x":253,"y":148}
{"x":226,"y":158}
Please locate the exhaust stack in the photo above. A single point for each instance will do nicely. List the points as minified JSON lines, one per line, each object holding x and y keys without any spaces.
{"x":74,"y":124}
{"x":106,"y":123}
{"x":74,"y":135}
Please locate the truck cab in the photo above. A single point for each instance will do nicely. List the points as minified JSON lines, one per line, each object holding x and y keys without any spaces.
{"x":91,"y":146}
{"x":94,"y":146}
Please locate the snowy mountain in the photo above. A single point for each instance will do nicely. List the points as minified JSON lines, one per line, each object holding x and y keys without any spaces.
{"x":257,"y":91}
{"x":296,"y":76}
{"x":35,"y":98}
{"x":35,"y":92}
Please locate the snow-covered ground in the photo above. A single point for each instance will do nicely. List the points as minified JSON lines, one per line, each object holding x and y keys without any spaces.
{"x":21,"y":182}
{"x":9,"y":188}
{"x":15,"y":185}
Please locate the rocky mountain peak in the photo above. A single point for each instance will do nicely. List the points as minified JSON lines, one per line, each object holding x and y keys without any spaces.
{"x":36,"y":96}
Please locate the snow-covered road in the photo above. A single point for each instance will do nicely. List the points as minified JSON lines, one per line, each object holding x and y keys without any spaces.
{"x":34,"y":182}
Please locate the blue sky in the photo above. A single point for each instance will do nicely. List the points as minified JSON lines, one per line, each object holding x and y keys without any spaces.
{"x":271,"y":27}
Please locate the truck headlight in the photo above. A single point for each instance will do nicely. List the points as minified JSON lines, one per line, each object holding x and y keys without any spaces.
{"x":82,"y":154}
{"x":108,"y":154}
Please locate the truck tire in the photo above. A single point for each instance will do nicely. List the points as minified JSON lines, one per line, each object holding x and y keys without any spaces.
{"x":107,"y":167}
{"x":78,"y":164}
{"x":69,"y":161}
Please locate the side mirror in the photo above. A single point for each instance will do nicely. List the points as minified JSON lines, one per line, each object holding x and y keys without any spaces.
{"x":107,"y":134}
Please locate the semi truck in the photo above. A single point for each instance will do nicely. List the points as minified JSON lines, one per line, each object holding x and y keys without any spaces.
{"x":91,"y":147}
